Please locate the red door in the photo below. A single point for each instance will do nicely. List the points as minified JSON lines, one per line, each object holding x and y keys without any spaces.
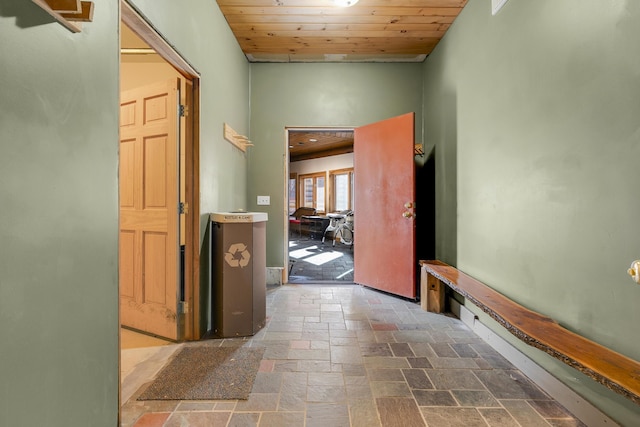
{"x":384,"y":237}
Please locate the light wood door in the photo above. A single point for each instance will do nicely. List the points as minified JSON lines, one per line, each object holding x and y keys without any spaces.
{"x":149,"y":208}
{"x":384,"y":237}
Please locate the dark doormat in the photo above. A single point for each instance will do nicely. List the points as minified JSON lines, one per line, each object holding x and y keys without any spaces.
{"x":207,"y":373}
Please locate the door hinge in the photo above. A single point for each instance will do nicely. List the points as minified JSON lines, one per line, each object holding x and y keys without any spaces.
{"x":183,"y":208}
{"x":183,"y":307}
{"x":184,"y":110}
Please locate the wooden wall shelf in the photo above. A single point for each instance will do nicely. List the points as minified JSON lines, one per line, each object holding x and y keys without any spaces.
{"x":240,"y":141}
{"x":70,"y":13}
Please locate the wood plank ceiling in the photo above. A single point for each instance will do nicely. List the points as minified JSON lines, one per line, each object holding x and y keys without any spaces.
{"x":321,"y":31}
{"x":311,"y":144}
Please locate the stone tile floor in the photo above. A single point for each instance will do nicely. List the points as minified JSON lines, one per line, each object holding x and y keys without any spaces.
{"x":345,"y":355}
{"x":312,"y":261}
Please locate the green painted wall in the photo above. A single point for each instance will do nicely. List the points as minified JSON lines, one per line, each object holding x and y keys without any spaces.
{"x":59,"y":219}
{"x":534,"y":117}
{"x":320,"y":95}
{"x":532,"y":113}
{"x":58,"y":182}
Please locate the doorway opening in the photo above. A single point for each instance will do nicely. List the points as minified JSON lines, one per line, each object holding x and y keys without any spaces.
{"x":158,"y":183}
{"x":320,"y":205}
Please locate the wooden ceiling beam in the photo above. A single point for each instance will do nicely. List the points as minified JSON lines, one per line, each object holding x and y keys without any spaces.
{"x":323,"y":19}
{"x":275,"y":27}
{"x":367,"y":45}
{"x":340,"y":34}
{"x":342,"y":50}
{"x":338,"y":57}
{"x":330,"y":3}
{"x":352,"y":12}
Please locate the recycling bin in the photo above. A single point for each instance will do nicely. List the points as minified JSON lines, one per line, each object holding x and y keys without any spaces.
{"x":239,"y":270}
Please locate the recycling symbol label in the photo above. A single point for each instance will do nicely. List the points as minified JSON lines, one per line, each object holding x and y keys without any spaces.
{"x":237,"y":255}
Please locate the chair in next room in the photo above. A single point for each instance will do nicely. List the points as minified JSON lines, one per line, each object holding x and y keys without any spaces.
{"x":295,"y":219}
{"x":340,"y":226}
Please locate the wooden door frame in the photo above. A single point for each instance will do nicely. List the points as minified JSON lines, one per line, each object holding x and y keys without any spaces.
{"x":130,"y":16}
{"x":287,"y":173}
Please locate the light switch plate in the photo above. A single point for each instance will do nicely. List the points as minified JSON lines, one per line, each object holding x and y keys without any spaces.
{"x":264,"y":200}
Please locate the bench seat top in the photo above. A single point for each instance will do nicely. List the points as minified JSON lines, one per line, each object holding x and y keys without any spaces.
{"x":614,"y":370}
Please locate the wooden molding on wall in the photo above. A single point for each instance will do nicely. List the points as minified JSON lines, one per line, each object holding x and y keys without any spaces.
{"x":69,"y":13}
{"x":240,"y":141}
{"x":85,"y":14}
{"x":64,"y":6}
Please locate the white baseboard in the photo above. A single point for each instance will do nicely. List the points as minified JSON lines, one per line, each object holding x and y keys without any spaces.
{"x":274,"y":275}
{"x":573,"y":402}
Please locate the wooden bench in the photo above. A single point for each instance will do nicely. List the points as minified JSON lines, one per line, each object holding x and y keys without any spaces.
{"x":613,"y":370}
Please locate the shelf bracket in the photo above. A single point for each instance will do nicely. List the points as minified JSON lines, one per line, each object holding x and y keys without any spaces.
{"x":240,"y":141}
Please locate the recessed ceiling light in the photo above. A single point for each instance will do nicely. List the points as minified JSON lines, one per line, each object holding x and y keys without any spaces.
{"x":313,"y":140}
{"x":345,"y":3}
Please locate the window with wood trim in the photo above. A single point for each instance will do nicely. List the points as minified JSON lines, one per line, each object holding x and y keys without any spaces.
{"x":312,"y":191}
{"x":341,"y":189}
